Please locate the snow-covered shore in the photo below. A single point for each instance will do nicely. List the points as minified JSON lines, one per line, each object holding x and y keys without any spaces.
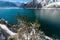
{"x":5,"y":28}
{"x":25,"y":32}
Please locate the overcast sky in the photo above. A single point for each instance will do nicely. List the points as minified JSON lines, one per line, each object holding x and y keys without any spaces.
{"x":17,"y":0}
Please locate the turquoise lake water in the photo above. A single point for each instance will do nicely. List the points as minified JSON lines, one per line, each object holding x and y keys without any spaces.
{"x":50,"y":21}
{"x":10,"y":14}
{"x":49,"y":24}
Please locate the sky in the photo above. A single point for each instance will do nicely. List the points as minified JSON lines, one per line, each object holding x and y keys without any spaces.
{"x":17,"y":0}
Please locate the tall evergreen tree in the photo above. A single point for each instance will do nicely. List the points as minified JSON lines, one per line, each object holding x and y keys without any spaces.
{"x":25,"y":18}
{"x":37,"y":24}
{"x":36,"y":21}
{"x":19,"y":16}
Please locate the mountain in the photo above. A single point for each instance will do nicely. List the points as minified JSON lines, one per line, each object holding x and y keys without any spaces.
{"x":46,"y":2}
{"x":30,"y":5}
{"x":7,"y":4}
{"x":22,"y":5}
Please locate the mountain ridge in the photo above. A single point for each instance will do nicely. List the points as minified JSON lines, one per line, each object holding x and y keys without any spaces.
{"x":7,"y":4}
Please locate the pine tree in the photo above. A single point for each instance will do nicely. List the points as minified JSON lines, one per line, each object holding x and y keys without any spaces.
{"x":36,"y":21}
{"x":25,"y":18}
{"x":19,"y":16}
{"x":37,"y":25}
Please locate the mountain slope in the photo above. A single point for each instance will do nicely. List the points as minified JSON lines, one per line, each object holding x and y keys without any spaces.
{"x":7,"y":4}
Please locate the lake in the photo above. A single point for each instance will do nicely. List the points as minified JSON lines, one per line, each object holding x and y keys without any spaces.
{"x":50,"y":21}
{"x":11,"y":14}
{"x":49,"y":18}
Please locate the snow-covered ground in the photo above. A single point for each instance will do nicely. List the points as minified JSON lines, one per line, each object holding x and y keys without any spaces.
{"x":12,"y":34}
{"x":6,"y":29}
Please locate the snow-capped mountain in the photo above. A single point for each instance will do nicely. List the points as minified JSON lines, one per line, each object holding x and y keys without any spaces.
{"x":46,"y":2}
{"x":31,"y":4}
{"x":38,"y":3}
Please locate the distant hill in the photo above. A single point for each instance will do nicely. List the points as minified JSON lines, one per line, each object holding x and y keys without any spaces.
{"x":19,"y":5}
{"x":7,"y":4}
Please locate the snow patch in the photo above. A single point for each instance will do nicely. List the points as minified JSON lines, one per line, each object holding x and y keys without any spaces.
{"x":4,"y":27}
